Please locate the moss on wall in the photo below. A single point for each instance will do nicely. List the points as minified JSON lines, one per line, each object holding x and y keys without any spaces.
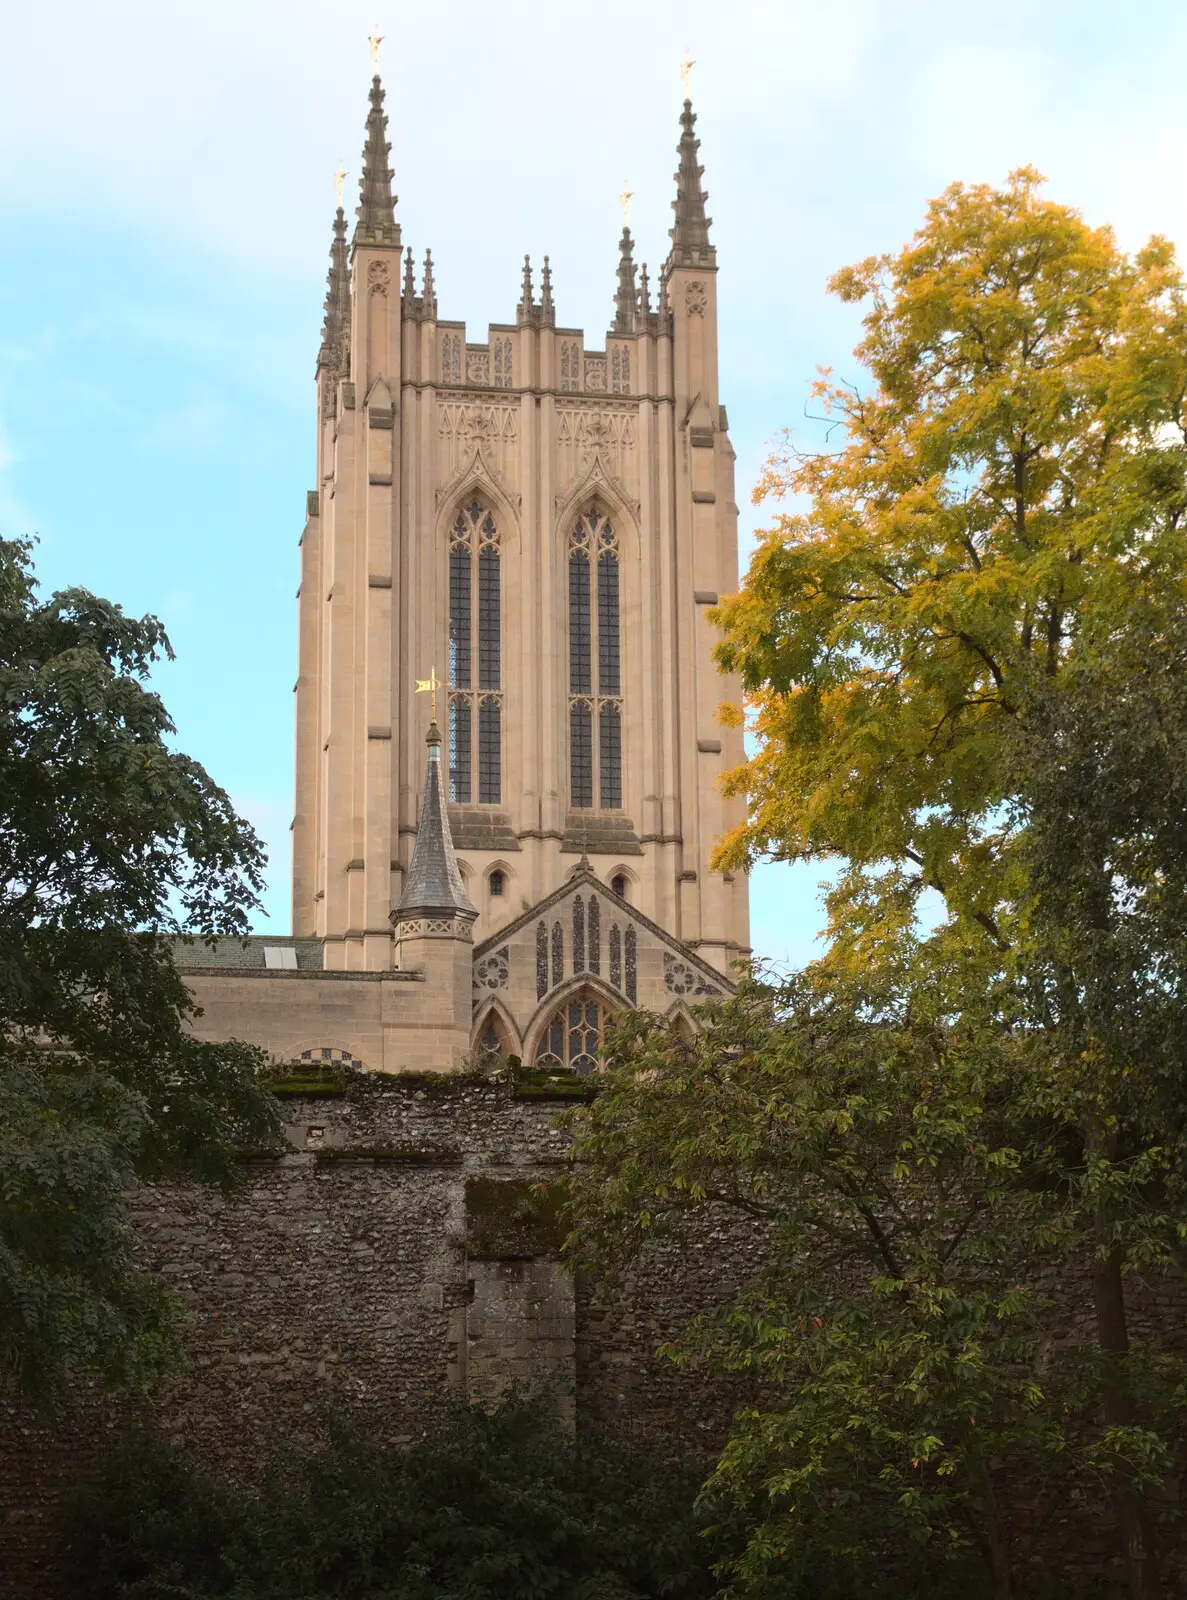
{"x":514,"y":1218}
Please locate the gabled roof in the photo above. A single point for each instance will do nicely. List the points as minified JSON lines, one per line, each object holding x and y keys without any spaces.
{"x":585,"y":878}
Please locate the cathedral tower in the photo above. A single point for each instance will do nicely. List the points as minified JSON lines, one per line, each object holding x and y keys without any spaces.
{"x":544,"y":523}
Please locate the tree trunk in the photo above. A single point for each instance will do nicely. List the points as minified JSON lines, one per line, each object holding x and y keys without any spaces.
{"x":989,"y":1531}
{"x":1112,"y":1334}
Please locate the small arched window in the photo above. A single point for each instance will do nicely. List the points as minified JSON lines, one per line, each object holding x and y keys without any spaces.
{"x":475,"y":658}
{"x":619,"y":885}
{"x":574,"y":1037}
{"x":595,"y":672}
{"x":497,"y":882}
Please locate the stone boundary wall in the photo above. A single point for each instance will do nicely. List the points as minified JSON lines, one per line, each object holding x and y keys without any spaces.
{"x":397,"y":1248}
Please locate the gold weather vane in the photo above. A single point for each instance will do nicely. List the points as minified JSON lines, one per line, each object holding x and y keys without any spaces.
{"x":429,"y":686}
{"x":339,"y":179}
{"x":624,"y":201}
{"x":686,"y":67}
{"x":375,"y":41}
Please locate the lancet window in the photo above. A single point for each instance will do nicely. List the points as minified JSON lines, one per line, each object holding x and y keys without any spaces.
{"x":475,"y":659}
{"x":595,"y":672}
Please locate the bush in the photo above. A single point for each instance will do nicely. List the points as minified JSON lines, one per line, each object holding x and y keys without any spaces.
{"x":491,"y":1505}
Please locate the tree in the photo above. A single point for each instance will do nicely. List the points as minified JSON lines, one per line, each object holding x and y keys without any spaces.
{"x":1010,"y":496}
{"x":111,"y":841}
{"x":1012,"y":483}
{"x":893,"y":1330}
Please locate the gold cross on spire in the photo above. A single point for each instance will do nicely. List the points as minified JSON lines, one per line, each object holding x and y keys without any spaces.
{"x":429,"y":686}
{"x":624,"y":201}
{"x":375,"y":41}
{"x":339,"y":180}
{"x":686,"y":67}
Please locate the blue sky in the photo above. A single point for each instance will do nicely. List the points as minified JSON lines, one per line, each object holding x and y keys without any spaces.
{"x":165,"y":197}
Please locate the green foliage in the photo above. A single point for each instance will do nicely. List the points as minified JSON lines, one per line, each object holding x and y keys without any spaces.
{"x":509,"y":1217}
{"x":491,"y":1505}
{"x":894,"y":1324}
{"x":110,"y":840}
{"x":964,"y":656}
{"x":1014,"y":476}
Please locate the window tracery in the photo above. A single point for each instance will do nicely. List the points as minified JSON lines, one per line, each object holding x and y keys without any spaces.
{"x":475,"y":637}
{"x":595,"y":762}
{"x":574,"y":1037}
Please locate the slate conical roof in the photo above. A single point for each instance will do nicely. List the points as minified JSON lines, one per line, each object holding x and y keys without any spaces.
{"x":626,"y":296}
{"x":376,"y":210}
{"x":434,"y":887}
{"x":690,"y":232}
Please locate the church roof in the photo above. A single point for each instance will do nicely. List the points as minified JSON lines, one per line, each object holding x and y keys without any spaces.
{"x":434,"y":885}
{"x":583,"y":880}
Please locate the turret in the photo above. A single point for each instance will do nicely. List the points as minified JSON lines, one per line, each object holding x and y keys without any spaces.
{"x":434,"y":920}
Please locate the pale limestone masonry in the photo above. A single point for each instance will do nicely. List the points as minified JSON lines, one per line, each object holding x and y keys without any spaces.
{"x":417,"y":423}
{"x":432,"y":919}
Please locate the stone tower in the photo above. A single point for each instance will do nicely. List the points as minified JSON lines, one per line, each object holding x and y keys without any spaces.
{"x":544,"y":523}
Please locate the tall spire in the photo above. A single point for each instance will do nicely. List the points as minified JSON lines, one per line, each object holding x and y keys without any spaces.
{"x":547,"y":309}
{"x":430,"y":292}
{"x":690,"y":234}
{"x":337,"y":307}
{"x":376,"y":211}
{"x":644,"y":292}
{"x":434,"y":887}
{"x":627,"y":295}
{"x":527,"y":302}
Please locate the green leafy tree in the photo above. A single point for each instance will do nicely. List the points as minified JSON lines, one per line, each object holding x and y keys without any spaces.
{"x":488,"y":1505}
{"x":1005,"y":502}
{"x":893,"y":1331}
{"x":110,"y":842}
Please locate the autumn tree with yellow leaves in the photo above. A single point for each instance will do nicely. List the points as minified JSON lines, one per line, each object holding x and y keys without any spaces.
{"x":963,"y":641}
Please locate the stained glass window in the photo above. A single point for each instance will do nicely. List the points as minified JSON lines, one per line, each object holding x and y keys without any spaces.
{"x":558,"y":953}
{"x":581,"y":752}
{"x":459,"y":749}
{"x":474,"y":565}
{"x":610,"y":757}
{"x":580,"y":677}
{"x":489,"y":763}
{"x":615,"y":955}
{"x":574,"y":1037}
{"x":595,"y":935}
{"x":631,"y":974}
{"x":595,"y":763}
{"x":541,"y":960}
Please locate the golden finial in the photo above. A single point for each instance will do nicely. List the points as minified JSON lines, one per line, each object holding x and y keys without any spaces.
{"x":686,"y":67}
{"x":339,"y":179}
{"x":624,"y":201}
{"x":429,"y":686}
{"x":375,"y":41}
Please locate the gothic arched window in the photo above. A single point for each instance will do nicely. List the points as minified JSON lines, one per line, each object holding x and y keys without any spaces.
{"x":475,"y":655}
{"x":595,"y":672}
{"x":574,"y":1037}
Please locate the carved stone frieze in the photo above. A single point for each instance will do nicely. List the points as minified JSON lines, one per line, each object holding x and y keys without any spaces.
{"x":584,"y":435}
{"x":378,"y":278}
{"x":694,"y":299}
{"x":463,"y":428}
